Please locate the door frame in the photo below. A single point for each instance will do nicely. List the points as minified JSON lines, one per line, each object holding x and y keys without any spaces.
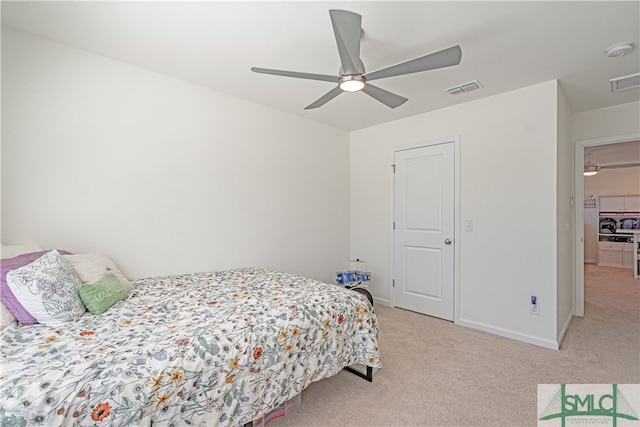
{"x":455,"y":140}
{"x":578,"y":244}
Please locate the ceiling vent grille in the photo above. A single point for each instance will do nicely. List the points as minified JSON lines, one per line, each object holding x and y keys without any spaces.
{"x":463,"y":88}
{"x":624,"y":83}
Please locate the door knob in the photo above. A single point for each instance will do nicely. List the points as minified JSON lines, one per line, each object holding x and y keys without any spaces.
{"x":447,"y":241}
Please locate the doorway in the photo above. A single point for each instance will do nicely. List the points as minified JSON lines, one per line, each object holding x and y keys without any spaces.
{"x":579,"y":242}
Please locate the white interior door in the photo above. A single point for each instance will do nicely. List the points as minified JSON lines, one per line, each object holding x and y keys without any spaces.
{"x":424,"y":214}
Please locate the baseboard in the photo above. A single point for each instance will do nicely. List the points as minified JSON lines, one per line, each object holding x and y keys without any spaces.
{"x":530,"y":339}
{"x":381,"y":301}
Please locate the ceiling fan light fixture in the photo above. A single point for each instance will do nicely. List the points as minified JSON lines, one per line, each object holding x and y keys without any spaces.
{"x":590,"y":168}
{"x":352,"y":83}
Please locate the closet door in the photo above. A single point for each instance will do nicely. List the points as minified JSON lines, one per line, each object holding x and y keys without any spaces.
{"x":424,"y":230}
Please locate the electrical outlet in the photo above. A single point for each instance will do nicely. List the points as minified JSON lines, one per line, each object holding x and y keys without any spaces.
{"x":534,"y":305}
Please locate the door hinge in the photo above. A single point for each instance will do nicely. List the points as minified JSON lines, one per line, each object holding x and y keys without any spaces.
{"x":393,"y":282}
{"x":394,"y":168}
{"x":394,"y":225}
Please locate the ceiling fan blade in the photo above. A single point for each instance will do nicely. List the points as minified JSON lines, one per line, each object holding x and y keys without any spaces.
{"x":628,"y":165}
{"x":309,"y":76}
{"x":389,"y":99}
{"x":347,"y":27}
{"x":441,"y":59}
{"x":324,"y":98}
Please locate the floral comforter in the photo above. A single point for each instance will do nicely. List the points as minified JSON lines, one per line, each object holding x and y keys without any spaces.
{"x":220,"y":348}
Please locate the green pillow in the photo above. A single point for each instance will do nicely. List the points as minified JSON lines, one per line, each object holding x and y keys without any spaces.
{"x":101,"y":295}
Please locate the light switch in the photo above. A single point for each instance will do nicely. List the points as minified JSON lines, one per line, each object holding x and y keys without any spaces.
{"x":468,"y":225}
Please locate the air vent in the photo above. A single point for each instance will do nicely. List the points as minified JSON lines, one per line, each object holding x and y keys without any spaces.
{"x":624,"y":83}
{"x":463,"y":88}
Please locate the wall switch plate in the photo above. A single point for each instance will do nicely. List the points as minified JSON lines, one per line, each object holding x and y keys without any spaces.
{"x":534,"y":306}
{"x":468,"y":225}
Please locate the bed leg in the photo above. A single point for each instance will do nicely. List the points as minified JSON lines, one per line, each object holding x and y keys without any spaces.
{"x":368,"y":376}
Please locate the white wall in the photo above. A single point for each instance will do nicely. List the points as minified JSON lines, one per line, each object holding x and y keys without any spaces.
{"x":565,"y":218}
{"x":508,"y":188}
{"x":604,"y":122}
{"x":161,"y":175}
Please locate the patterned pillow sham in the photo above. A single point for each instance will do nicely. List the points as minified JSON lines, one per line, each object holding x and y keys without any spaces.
{"x":6,"y":295}
{"x":49,"y":289}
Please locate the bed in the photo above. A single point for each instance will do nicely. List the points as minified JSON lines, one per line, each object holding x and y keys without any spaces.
{"x":217,"y":348}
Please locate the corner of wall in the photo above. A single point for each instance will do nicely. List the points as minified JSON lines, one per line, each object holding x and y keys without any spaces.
{"x":565,"y":206}
{"x":565,"y":327}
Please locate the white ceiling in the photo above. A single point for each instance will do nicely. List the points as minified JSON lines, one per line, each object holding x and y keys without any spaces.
{"x":505,"y":45}
{"x":614,"y":154}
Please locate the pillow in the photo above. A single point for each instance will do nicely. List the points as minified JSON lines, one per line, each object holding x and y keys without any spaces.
{"x":98,"y":297}
{"x":93,"y":267}
{"x":48,"y":289}
{"x":6,"y":295}
{"x":6,"y":317}
{"x":13,"y":251}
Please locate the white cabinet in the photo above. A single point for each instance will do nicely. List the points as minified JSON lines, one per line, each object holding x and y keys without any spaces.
{"x":632,"y":204}
{"x":628,"y":254}
{"x":610,"y":253}
{"x":620,"y":203}
{"x":611,"y":203}
{"x":618,"y":214}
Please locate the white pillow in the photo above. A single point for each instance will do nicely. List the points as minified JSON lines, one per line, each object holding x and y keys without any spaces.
{"x":9,"y":251}
{"x":6,"y":317}
{"x":48,"y":289}
{"x":94,"y":266}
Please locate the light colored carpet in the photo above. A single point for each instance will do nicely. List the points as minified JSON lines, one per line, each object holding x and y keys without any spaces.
{"x":436,"y":373}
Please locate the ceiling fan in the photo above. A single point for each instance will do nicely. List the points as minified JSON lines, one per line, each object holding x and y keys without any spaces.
{"x":347,"y":28}
{"x":591,"y":168}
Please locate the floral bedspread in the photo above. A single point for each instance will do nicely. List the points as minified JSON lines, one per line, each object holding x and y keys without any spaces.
{"x":220,"y":348}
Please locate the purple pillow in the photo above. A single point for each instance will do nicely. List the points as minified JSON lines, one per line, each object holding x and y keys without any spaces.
{"x":6,"y":296}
